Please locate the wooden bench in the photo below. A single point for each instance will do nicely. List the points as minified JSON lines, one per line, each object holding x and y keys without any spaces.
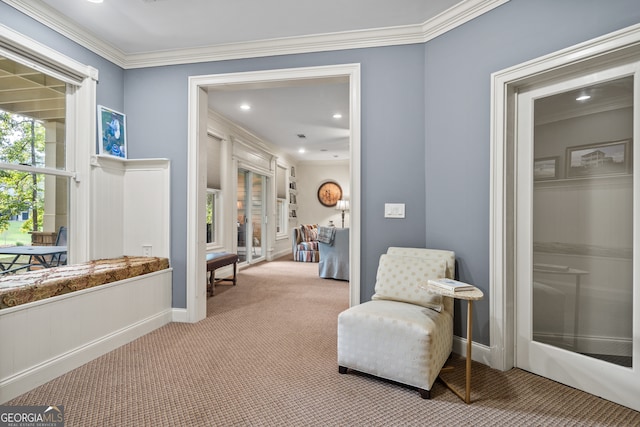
{"x":218,"y":260}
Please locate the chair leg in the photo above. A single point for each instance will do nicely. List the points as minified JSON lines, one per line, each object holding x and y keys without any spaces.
{"x":342,"y":369}
{"x":425,"y":394}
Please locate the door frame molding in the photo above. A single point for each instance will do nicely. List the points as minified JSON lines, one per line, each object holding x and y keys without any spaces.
{"x":587,"y":57}
{"x":196,"y":297}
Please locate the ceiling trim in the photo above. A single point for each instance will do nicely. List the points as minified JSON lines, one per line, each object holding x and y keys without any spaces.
{"x":453,"y":17}
{"x":61,"y":24}
{"x":457,"y":15}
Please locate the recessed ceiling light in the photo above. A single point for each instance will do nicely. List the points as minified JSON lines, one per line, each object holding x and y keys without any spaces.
{"x":245,"y":107}
{"x":583,"y":97}
{"x":95,"y":1}
{"x":337,"y":116}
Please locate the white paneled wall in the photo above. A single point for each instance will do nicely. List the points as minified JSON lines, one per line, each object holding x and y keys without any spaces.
{"x":54,"y":335}
{"x":130,"y":207}
{"x":129,"y":216}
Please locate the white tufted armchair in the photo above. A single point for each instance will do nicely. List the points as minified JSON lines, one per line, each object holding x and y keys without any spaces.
{"x":405,"y":333}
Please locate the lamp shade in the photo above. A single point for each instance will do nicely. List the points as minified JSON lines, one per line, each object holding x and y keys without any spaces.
{"x":342,"y":205}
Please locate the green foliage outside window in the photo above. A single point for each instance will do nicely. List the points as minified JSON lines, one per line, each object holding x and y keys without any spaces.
{"x":211,"y":215}
{"x":22,"y":141}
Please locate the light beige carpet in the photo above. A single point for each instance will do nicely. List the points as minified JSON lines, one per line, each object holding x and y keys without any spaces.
{"x":266,"y":356}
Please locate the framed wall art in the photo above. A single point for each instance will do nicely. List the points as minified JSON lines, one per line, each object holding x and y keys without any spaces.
{"x":546,"y":168}
{"x":607,"y":158}
{"x":112,"y":132}
{"x":329,"y":193}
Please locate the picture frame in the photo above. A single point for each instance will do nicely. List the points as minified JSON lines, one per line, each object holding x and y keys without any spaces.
{"x":546,"y":168}
{"x":112,"y":132}
{"x":329,"y":193}
{"x":601,"y":159}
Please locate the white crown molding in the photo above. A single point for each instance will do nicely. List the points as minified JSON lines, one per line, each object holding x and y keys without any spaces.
{"x":453,"y":17}
{"x":61,"y":24}
{"x":281,"y":46}
{"x":457,"y":15}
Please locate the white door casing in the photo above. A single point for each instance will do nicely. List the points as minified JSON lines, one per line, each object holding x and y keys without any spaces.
{"x":196,"y":180}
{"x":560,"y":362}
{"x":614,"y":49}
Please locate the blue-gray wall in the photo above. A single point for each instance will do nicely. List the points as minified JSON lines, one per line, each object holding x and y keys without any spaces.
{"x":392,"y":141}
{"x":425,"y":124}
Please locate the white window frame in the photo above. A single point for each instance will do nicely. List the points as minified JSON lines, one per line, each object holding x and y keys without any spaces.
{"x":217,"y":220}
{"x":282,"y":216}
{"x":79,"y":130}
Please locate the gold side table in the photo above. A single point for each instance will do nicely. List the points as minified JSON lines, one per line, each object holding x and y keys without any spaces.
{"x":471,"y":295}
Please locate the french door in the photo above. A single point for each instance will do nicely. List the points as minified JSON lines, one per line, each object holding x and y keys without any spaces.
{"x":251,"y":221}
{"x":577,"y":305}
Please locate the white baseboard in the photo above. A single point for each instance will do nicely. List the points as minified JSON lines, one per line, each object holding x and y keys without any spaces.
{"x":179,"y":315}
{"x":284,"y":252}
{"x":46,"y":371}
{"x":53,"y":336}
{"x":479,"y":352}
{"x":588,"y":344}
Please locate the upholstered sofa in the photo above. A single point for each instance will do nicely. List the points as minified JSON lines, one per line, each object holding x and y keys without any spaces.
{"x":305,"y":243}
{"x":334,"y":255}
{"x":405,"y":333}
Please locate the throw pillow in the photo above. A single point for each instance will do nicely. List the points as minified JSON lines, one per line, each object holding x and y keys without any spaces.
{"x":309,"y":233}
{"x":399,"y":278}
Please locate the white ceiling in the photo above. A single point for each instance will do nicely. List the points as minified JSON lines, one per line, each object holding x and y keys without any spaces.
{"x":279,"y":114}
{"x":136,"y":33}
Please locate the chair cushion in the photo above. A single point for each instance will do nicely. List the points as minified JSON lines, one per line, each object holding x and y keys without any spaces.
{"x":399,"y":278}
{"x":448,"y":256}
{"x":401,"y":342}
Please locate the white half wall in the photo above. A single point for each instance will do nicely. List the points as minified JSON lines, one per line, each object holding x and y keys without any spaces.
{"x":47,"y":340}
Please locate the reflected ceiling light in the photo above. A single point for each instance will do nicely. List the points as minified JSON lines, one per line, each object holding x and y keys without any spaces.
{"x":583,"y":97}
{"x":95,"y":1}
{"x":301,"y":150}
{"x":337,"y":116}
{"x":245,"y":107}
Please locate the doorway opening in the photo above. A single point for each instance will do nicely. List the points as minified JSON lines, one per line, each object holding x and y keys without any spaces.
{"x":251,"y":216}
{"x":196,"y":198}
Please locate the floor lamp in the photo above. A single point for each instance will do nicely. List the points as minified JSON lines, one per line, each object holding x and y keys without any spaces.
{"x":342,"y":205}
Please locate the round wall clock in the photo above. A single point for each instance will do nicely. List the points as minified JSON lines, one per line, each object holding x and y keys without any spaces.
{"x":329,"y":193}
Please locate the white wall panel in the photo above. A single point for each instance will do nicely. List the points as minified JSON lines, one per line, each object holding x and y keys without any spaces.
{"x":47,"y":340}
{"x":130,"y":207}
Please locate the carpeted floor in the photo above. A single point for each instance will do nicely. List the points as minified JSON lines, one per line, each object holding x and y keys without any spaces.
{"x":266,"y":356}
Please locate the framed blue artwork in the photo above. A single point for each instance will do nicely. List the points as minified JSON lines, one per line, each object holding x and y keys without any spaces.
{"x":112,"y":132}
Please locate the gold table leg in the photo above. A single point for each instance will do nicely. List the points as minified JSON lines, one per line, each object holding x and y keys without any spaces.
{"x":467,"y":395}
{"x":469,"y":330}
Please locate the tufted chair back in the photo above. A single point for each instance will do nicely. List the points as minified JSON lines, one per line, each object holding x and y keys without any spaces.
{"x":449,"y":257}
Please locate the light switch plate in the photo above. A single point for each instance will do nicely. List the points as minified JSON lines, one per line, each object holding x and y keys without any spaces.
{"x":394,"y":210}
